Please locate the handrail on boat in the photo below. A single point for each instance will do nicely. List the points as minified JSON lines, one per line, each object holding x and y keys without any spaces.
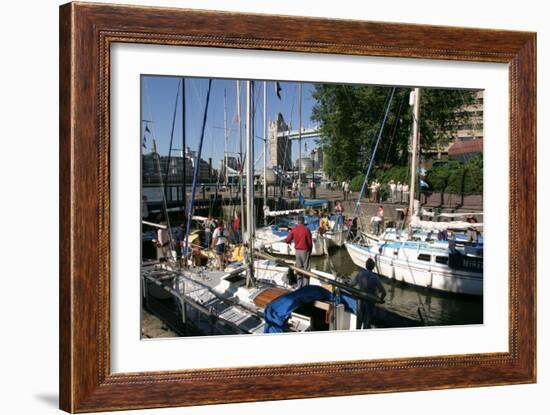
{"x":344,"y":287}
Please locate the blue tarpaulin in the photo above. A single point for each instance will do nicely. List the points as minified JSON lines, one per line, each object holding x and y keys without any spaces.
{"x":316,"y":202}
{"x":279,"y":310}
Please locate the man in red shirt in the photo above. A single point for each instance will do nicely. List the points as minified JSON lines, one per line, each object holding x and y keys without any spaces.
{"x":237,"y":228}
{"x":303,"y":246}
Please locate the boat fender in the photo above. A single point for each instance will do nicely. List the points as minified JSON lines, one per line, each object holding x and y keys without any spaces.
{"x":290,"y":277}
{"x":422,"y":320}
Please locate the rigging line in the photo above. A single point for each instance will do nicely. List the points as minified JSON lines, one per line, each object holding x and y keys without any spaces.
{"x":363,"y":152}
{"x":171,"y":139}
{"x":373,"y":153}
{"x":157,"y":157}
{"x":156,"y":154}
{"x":164,"y":205}
{"x":382,"y":118}
{"x":288,"y":141}
{"x":395,"y":124}
{"x":199,"y":101}
{"x":146,"y":88}
{"x":196,"y":171}
{"x":419,"y":299}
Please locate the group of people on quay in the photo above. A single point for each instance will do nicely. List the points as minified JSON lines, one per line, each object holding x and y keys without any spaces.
{"x":311,"y":185}
{"x":396,"y":192}
{"x":376,"y":192}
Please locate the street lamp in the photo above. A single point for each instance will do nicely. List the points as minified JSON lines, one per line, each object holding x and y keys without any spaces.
{"x":313,"y":170}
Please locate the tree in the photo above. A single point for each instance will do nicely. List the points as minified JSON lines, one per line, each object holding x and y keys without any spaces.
{"x":457,"y":177}
{"x":350,"y":118}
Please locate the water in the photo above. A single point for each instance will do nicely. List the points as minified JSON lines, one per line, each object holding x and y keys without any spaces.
{"x":438,"y":309}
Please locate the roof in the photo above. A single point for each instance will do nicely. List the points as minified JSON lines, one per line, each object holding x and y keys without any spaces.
{"x":466,"y":147}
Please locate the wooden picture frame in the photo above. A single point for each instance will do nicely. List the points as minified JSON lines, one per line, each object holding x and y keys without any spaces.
{"x":86,"y":33}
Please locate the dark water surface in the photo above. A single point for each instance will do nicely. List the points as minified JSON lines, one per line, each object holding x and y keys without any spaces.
{"x":438,"y":309}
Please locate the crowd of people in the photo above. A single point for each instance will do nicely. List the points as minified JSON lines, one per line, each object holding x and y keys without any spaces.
{"x":215,"y":236}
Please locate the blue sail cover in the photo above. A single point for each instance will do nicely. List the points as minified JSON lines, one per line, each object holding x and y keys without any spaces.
{"x":312,"y":223}
{"x":316,"y":202}
{"x":279,"y":310}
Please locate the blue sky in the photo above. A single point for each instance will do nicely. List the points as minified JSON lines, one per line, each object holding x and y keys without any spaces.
{"x":158,"y":97}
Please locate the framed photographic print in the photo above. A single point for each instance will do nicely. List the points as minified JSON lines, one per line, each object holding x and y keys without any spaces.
{"x":262,"y":207}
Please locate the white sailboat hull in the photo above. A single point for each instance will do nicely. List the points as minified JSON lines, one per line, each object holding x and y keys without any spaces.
{"x":403,"y":266}
{"x":274,"y":244}
{"x":336,"y":237}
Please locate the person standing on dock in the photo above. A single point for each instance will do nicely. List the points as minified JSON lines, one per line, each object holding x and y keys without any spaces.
{"x":345,"y":189}
{"x":312,"y":190}
{"x":368,"y":282}
{"x":163,"y":242}
{"x":405,"y":193}
{"x":180,"y":241}
{"x":237,"y":227}
{"x":378,"y":221}
{"x":324,"y":224}
{"x":303,"y":245}
{"x":399,"y":192}
{"x":219,"y":241}
{"x":144,"y":208}
{"x":209,"y":226}
{"x":339,"y":210}
{"x":393,"y":191}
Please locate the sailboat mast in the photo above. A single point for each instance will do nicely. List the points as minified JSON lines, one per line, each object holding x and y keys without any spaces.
{"x":183,"y":149}
{"x":414,"y":149}
{"x":243,"y":218}
{"x":249,"y":183}
{"x":225,"y":135}
{"x":265,"y":146}
{"x":300,"y":136}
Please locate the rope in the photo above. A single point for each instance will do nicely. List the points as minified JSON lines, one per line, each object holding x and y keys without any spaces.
{"x":196,"y":171}
{"x":373,"y":153}
{"x":156,"y":156}
{"x":171,"y":139}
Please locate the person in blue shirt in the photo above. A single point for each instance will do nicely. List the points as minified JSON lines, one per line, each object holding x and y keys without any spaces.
{"x":368,"y":282}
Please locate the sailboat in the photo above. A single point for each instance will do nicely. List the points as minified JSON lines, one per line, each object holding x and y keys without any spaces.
{"x":249,"y":296}
{"x":417,"y":257}
{"x":278,"y":223}
{"x":253,"y":295}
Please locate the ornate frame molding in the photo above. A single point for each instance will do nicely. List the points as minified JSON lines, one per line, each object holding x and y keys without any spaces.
{"x":86,"y":33}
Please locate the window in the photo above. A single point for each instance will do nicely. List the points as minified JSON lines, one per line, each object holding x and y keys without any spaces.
{"x":442,"y":260}
{"x":424,"y":257}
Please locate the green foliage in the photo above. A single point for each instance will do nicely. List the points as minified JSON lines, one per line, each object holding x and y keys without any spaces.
{"x":350,"y":118}
{"x":395,"y":173}
{"x":356,"y":183}
{"x":456,"y":177}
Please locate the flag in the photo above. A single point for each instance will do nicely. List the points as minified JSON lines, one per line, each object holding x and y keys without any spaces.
{"x":147,"y":129}
{"x":144,"y":141}
{"x":278,"y":89}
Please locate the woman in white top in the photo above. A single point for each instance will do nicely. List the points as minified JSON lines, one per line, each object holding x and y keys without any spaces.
{"x":163,"y":243}
{"x":219,"y":240}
